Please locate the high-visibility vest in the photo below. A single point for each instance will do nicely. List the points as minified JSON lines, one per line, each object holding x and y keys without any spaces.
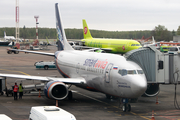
{"x":15,"y":88}
{"x":20,"y":88}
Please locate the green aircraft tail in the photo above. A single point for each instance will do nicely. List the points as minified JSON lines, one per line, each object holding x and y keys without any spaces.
{"x":86,"y":32}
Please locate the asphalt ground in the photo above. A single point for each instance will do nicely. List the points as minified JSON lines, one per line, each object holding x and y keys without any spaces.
{"x":86,"y":105}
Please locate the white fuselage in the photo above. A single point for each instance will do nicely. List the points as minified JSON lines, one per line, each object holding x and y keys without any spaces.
{"x":103,"y":72}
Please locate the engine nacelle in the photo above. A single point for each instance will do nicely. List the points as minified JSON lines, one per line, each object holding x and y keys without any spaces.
{"x":55,"y":90}
{"x":152,"y":90}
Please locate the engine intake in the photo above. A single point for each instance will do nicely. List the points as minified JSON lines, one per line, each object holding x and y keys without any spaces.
{"x":55,"y":90}
{"x":152,"y":90}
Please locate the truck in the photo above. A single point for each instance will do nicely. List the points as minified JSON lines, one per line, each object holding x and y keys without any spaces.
{"x":49,"y":113}
{"x":45,"y":64}
{"x":13,"y":51}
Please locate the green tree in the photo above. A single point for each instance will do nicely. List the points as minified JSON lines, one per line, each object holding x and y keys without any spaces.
{"x":161,"y":33}
{"x":178,"y":31}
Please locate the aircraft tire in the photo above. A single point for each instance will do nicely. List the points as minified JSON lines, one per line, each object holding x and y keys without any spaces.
{"x":129,"y":107}
{"x":124,"y":107}
{"x":46,"y":67}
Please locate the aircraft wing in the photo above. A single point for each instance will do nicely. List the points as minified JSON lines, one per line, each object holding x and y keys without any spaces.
{"x":34,"y":52}
{"x":90,"y":49}
{"x":107,"y":49}
{"x":40,"y":78}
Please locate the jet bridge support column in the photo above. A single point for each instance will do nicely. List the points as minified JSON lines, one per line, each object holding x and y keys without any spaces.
{"x":171,"y":68}
{"x":2,"y":85}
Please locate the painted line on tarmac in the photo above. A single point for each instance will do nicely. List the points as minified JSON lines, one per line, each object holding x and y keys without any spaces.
{"x":16,"y":71}
{"x":111,"y":105}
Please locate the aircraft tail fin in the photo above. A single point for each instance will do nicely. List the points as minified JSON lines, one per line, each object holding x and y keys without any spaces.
{"x":62,"y":41}
{"x":4,"y":34}
{"x":86,"y":31}
{"x":153,"y":40}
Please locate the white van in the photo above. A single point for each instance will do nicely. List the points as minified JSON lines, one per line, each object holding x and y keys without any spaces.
{"x":50,"y":113}
{"x":45,"y":64}
{"x":174,"y":50}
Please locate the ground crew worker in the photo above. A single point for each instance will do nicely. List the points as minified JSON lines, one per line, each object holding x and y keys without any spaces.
{"x":15,"y":89}
{"x":20,"y":91}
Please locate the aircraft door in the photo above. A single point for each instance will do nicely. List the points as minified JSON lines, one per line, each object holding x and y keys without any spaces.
{"x":107,"y":73}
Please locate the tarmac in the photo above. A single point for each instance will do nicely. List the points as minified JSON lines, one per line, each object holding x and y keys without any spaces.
{"x":85,"y":105}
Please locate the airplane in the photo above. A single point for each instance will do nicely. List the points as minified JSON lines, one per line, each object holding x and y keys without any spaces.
{"x":8,"y":37}
{"x":119,"y":46}
{"x":110,"y":74}
{"x":153,"y":43}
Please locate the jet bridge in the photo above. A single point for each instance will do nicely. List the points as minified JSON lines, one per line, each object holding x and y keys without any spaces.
{"x":158,"y":67}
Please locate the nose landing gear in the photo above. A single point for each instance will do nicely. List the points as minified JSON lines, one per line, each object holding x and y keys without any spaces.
{"x":126,"y":106}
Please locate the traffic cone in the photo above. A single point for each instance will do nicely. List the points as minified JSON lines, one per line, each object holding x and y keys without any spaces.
{"x":39,"y":94}
{"x":157,"y":100}
{"x":56,"y":103}
{"x":153,"y":115}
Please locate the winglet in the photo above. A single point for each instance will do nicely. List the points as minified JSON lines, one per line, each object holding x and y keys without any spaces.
{"x":86,"y":31}
{"x":62,"y":42}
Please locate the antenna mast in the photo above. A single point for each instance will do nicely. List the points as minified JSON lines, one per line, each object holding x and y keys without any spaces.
{"x":36,"y":17}
{"x":17,"y":20}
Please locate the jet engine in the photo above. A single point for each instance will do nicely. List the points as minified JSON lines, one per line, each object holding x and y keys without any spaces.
{"x":56,"y":90}
{"x":152,"y":90}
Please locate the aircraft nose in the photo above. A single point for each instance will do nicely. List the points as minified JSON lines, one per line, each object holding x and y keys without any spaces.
{"x":139,"y":85}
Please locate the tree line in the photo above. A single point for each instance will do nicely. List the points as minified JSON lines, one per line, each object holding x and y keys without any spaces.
{"x":160,"y":33}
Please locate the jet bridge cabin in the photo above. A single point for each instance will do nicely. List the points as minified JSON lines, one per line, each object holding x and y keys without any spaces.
{"x":159,"y":68}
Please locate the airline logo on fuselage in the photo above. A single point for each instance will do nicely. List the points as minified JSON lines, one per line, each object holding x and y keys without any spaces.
{"x":95,"y":63}
{"x":85,"y":30}
{"x":123,"y":48}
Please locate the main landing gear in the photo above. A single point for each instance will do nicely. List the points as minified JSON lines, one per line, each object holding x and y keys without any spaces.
{"x":70,"y":95}
{"x":126,"y":106}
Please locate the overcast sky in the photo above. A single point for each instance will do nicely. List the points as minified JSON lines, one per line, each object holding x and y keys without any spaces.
{"x":112,"y":15}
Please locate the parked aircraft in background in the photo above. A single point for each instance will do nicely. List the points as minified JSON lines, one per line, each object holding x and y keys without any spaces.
{"x":109,"y":45}
{"x":8,"y":37}
{"x":153,"y":43}
{"x":108,"y":73}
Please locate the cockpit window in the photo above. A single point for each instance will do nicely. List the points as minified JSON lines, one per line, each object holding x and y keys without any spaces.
{"x":122,"y":72}
{"x":140,"y":71}
{"x":138,"y":45}
{"x":131,"y":72}
{"x":133,"y":45}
